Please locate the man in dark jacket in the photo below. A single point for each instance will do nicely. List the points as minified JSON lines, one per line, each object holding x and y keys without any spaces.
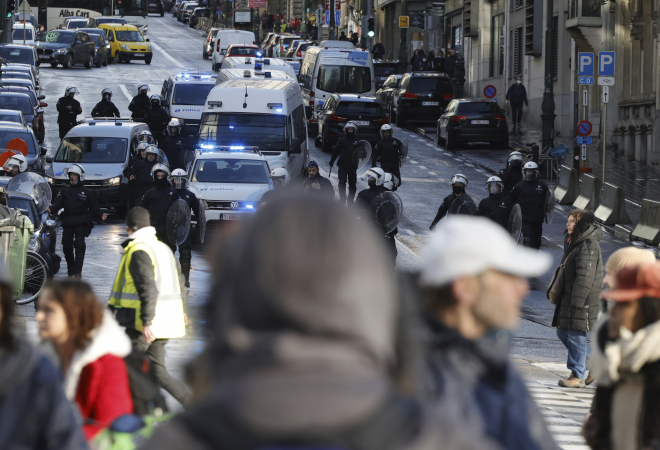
{"x":79,"y":206}
{"x":459,"y":183}
{"x":173,"y":145}
{"x":389,"y":152}
{"x":342,"y":36}
{"x":517,"y":95}
{"x":450,"y":63}
{"x":472,"y":295}
{"x":140,"y":104}
{"x":512,"y":174}
{"x":316,"y":184}
{"x":68,"y":109}
{"x":139,"y":175}
{"x":439,"y":63}
{"x":157,"y":119}
{"x":531,"y":194}
{"x":577,"y":312}
{"x":378,"y":51}
{"x":158,"y":200}
{"x":376,"y":181}
{"x":496,"y":206}
{"x":347,"y":166}
{"x":180,"y":183}
{"x":105,"y":108}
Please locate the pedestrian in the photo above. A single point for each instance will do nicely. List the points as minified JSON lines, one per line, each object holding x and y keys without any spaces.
{"x":105,"y":108}
{"x":354,"y":38}
{"x":450,"y":63}
{"x":512,"y":174}
{"x":90,"y":347}
{"x":517,"y":95}
{"x":264,"y":23}
{"x":313,"y":33}
{"x":496,"y":206}
{"x":431,"y":60}
{"x":68,"y":108}
{"x":378,"y":51}
{"x":424,"y":64}
{"x":158,"y":200}
{"x":531,"y":194}
{"x":624,"y":360}
{"x":439,"y":63}
{"x":157,"y":119}
{"x":316,"y":184}
{"x":346,"y":166}
{"x":459,"y":183}
{"x":140,"y":179}
{"x":389,"y":151}
{"x":78,"y":205}
{"x":140,"y":104}
{"x":414,"y":58}
{"x":577,"y":310}
{"x":148,"y":297}
{"x":305,"y":312}
{"x":418,"y":60}
{"x":473,"y":283}
{"x":15,"y":164}
{"x":376,"y":182}
{"x":342,"y":36}
{"x":180,"y":183}
{"x":174,"y":145}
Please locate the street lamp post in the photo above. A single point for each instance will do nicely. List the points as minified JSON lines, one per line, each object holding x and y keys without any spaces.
{"x":548,"y":105}
{"x":403,"y":45}
{"x":303,"y":22}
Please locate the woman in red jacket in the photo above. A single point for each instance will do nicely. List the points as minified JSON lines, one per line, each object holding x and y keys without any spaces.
{"x":91,"y":346}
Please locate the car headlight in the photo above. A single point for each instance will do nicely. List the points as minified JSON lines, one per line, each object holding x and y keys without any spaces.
{"x":107,"y":46}
{"x":34,"y":244}
{"x":116,"y":181}
{"x":149,"y":47}
{"x":61,"y":50}
{"x":125,"y":47}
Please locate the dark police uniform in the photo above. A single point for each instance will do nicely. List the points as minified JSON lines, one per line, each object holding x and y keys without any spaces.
{"x":185,"y":249}
{"x":510,"y":177}
{"x":497,"y":208}
{"x":139,"y":107}
{"x":105,"y":108}
{"x":530,"y":195}
{"x":67,"y":117}
{"x":173,"y":147}
{"x":444,"y":209}
{"x":346,"y":168}
{"x":157,"y":119}
{"x":365,"y":198}
{"x":389,"y":152}
{"x":157,"y":201}
{"x":143,"y":181}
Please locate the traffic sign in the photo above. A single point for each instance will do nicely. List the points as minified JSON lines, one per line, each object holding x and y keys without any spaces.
{"x":337,"y":16}
{"x":584,"y":128}
{"x":490,"y":91}
{"x":585,"y":97}
{"x":605,"y":64}
{"x":605,"y":81}
{"x":584,"y":140}
{"x":404,"y":21}
{"x":586,"y":80}
{"x":585,"y":65}
{"x":606,"y":94}
{"x":327,"y":17}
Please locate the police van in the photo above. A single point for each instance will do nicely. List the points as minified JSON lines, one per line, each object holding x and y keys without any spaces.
{"x":266,"y":115}
{"x":224,"y":38}
{"x":183,"y":95}
{"x":103,"y":147}
{"x":257,"y":64}
{"x":328,"y":70}
{"x":232,"y":74}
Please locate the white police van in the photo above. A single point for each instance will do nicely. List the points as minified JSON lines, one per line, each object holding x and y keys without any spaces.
{"x":232,"y":74}
{"x":258,"y":64}
{"x":266,"y":115}
{"x":224,"y":38}
{"x":183,"y":95}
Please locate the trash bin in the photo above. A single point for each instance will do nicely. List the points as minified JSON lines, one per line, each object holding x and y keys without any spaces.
{"x":13,"y":251}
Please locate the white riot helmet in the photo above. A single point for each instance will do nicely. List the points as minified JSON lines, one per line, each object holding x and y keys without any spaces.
{"x":143,"y":87}
{"x":175,"y":124}
{"x":515,"y":158}
{"x":530,"y":166}
{"x":376,"y":173}
{"x":77,"y":169}
{"x":155,"y":97}
{"x":459,"y":178}
{"x":159,"y":168}
{"x":142,"y":147}
{"x":352,"y":125}
{"x":106,"y":91}
{"x":71,"y":90}
{"x":385,"y":128}
{"x":390,"y":182}
{"x":280,"y":174}
{"x":179,"y":179}
{"x":494,"y":185}
{"x":145,"y":136}
{"x":17,"y":160}
{"x":151,"y":150}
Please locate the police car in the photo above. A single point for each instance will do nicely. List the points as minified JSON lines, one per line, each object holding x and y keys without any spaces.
{"x":229,"y":180}
{"x":184,"y":95}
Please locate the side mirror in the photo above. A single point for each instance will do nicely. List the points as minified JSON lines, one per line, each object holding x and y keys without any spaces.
{"x":43,"y":104}
{"x":41,"y":97}
{"x":40,"y":111}
{"x":43,"y":151}
{"x":148,"y":40}
{"x":49,"y":159}
{"x":295,"y":146}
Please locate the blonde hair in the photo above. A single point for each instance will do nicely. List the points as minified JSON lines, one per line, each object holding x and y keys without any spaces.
{"x":626,"y":257}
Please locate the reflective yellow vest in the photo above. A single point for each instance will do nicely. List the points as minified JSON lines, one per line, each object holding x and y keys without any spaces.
{"x":168,"y":321}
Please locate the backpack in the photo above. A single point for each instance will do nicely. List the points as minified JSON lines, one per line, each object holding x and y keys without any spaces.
{"x":144,"y":388}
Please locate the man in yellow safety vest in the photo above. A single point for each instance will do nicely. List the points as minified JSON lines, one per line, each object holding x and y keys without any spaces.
{"x":148,"y":296}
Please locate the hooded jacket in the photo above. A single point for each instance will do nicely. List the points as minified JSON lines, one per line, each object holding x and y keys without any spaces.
{"x":583,"y":278}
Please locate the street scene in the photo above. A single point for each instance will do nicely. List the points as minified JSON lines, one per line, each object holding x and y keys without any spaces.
{"x":262,"y":225}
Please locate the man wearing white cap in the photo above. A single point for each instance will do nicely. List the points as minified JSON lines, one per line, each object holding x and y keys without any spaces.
{"x":473,"y":281}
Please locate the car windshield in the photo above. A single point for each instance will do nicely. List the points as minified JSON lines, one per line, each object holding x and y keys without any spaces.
{"x":16,"y":103}
{"x":368,"y":108}
{"x":119,"y":21}
{"x":17,"y":55}
{"x":24,"y":205}
{"x":18,"y":75}
{"x":478,"y":108}
{"x":19,"y":36}
{"x":381,"y":69}
{"x":73,"y":24}
{"x":27,"y":137}
{"x":15,"y":82}
{"x":191,"y":94}
{"x":191,"y":7}
{"x":60,"y":38}
{"x":242,"y":51}
{"x":426,"y":85}
{"x":129,"y":36}
{"x":100,"y":150}
{"x":344,"y":79}
{"x":231,"y":171}
{"x":265,"y":131}
{"x":95,"y":38}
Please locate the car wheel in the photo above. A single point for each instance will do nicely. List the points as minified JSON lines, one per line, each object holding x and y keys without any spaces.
{"x":317,"y":141}
{"x":205,"y":55}
{"x":449,"y":142}
{"x":90,"y":61}
{"x":68,"y":61}
{"x":99,"y":63}
{"x":400,"y":122}
{"x":147,"y":61}
{"x":53,"y":65}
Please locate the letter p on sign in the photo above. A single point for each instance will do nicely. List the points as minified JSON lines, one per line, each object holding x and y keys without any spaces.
{"x":585,"y":64}
{"x":605,"y":64}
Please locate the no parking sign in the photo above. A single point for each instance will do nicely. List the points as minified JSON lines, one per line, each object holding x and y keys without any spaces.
{"x":490,"y":91}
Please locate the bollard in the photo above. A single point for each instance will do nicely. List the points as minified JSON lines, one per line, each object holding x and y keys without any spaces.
{"x":567,"y":190}
{"x":589,"y":196}
{"x":612,"y":208}
{"x":648,"y":227}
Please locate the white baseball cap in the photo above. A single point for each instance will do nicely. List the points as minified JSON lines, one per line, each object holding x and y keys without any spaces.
{"x":466,"y":245}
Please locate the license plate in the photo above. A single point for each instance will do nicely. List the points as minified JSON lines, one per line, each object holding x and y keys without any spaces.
{"x":430,"y":103}
{"x":44,"y":56}
{"x":231,"y":217}
{"x":361,"y":123}
{"x":480,"y":122}
{"x":382,"y":78}
{"x":138,"y":54}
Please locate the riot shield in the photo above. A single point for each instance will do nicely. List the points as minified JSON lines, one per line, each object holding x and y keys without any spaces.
{"x":178,"y":222}
{"x":361,"y":154}
{"x":201,"y":222}
{"x":162,"y":159}
{"x":465,"y":204}
{"x":187,"y":157}
{"x":387,"y":209}
{"x":35,"y":186}
{"x":404,"y":152}
{"x":515,"y":223}
{"x":549,"y":206}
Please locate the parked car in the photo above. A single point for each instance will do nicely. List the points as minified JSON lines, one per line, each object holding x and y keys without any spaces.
{"x":197,"y":14}
{"x":13,"y":115}
{"x":27,"y":17}
{"x":118,"y":20}
{"x":73,"y":23}
{"x":66,"y":47}
{"x":32,"y":114}
{"x":176,"y":4}
{"x":156,"y":7}
{"x":421,"y":96}
{"x":207,"y":47}
{"x":292,"y":48}
{"x":11,"y":130}
{"x":185,"y":10}
{"x":101,"y":46}
{"x":473,"y":120}
{"x":36,"y":103}
{"x":167,"y":5}
{"x":384,"y":94}
{"x":297,"y":50}
{"x":383,"y":69}
{"x":267,"y":38}
{"x":19,"y":53}
{"x":23,"y":34}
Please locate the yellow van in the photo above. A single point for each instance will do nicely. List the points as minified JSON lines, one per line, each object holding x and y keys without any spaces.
{"x":126,"y":43}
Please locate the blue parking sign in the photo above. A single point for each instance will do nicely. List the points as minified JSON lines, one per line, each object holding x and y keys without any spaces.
{"x":605,"y":64}
{"x":337,"y":17}
{"x":585,"y":64}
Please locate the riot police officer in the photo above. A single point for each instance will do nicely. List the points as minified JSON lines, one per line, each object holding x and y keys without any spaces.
{"x":459,"y":183}
{"x":105,"y":108}
{"x":280,"y":178}
{"x":68,"y":109}
{"x":140,"y":104}
{"x":180,"y":182}
{"x":530,"y":194}
{"x":347,"y":167}
{"x":157,"y":119}
{"x":173,"y":145}
{"x":15,"y":164}
{"x":79,"y":206}
{"x":512,"y":174}
{"x":496,"y":206}
{"x":139,"y":176}
{"x":158,"y":200}
{"x":388,"y":151}
{"x":146,"y":136}
{"x":379,"y":182}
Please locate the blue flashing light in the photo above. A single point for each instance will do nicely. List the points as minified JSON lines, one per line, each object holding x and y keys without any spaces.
{"x":206,"y":76}
{"x":236,"y":147}
{"x":207,"y":146}
{"x":278,"y":110}
{"x":249,"y":206}
{"x":231,"y":127}
{"x":258,"y":66}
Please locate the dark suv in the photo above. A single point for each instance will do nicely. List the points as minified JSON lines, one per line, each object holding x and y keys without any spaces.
{"x":66,"y":47}
{"x":421,"y":96}
{"x":156,"y":7}
{"x":473,"y":120}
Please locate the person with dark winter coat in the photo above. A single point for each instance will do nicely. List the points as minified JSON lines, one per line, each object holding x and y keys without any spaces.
{"x":157,"y":119}
{"x":496,"y":206}
{"x":174,"y":145}
{"x":68,"y":109}
{"x":105,"y":108}
{"x":531,"y":194}
{"x":158,"y":200}
{"x":140,"y":179}
{"x":346,"y":166}
{"x":140,"y":104}
{"x":418,"y":61}
{"x":517,"y":95}
{"x":388,"y":151}
{"x":512,"y":173}
{"x":439,"y":63}
{"x":458,"y":185}
{"x":577,"y":311}
{"x":378,"y":51}
{"x":450,"y":63}
{"x":377,"y":185}
{"x":316,"y":184}
{"x":91,"y":347}
{"x":34,"y":412}
{"x":414,"y":58}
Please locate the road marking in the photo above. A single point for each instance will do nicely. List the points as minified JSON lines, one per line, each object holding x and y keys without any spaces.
{"x":422,"y":167}
{"x":432,"y":173}
{"x":126,"y":92}
{"x":478,"y":170}
{"x":414,"y":162}
{"x":165,"y":54}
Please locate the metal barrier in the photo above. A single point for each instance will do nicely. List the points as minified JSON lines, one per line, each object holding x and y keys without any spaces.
{"x":648,"y":228}
{"x":589,"y":197}
{"x":612,"y":208}
{"x":568,"y":189}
